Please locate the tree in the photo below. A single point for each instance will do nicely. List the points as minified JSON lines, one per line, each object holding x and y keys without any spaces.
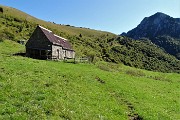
{"x":80,"y":35}
{"x":1,"y":9}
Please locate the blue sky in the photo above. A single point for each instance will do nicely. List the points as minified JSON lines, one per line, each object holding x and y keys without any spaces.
{"x":115,"y":16}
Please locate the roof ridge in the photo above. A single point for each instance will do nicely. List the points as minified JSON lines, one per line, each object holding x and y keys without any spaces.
{"x":44,"y":28}
{"x":60,"y":37}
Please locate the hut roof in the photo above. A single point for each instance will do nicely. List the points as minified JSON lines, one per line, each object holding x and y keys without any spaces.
{"x":55,"y":39}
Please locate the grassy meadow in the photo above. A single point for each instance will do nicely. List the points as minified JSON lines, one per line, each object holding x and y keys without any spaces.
{"x":38,"y":89}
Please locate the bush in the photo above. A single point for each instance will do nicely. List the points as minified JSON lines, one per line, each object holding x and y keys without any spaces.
{"x":1,"y":10}
{"x":135,"y":73}
{"x":9,"y":34}
{"x":1,"y":40}
{"x":2,"y":36}
{"x":104,"y":67}
{"x":107,"y":66}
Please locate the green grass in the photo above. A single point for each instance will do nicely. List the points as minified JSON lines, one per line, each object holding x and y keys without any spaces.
{"x":37,"y":89}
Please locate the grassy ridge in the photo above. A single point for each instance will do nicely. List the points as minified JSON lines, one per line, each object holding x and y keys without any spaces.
{"x":57,"y":27}
{"x":36,"y":89}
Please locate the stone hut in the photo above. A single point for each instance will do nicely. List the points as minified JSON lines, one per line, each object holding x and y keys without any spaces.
{"x":43,"y":44}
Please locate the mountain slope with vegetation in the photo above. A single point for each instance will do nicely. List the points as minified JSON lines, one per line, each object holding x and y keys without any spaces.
{"x":98,"y":45}
{"x":38,"y":89}
{"x":144,"y":55}
{"x":162,"y":30}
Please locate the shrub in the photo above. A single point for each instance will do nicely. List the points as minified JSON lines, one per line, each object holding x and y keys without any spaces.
{"x":2,"y":36}
{"x":104,"y":67}
{"x":160,"y":78}
{"x":9,"y":34}
{"x":135,"y":73}
{"x":1,"y":40}
{"x":1,"y":10}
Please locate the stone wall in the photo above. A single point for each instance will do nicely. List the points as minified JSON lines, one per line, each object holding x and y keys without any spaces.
{"x":70,"y":54}
{"x":58,"y":52}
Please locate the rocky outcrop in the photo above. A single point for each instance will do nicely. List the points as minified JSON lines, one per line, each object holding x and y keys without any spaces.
{"x":162,"y":30}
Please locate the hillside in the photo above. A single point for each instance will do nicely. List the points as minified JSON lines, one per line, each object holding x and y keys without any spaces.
{"x":143,"y":54}
{"x":53,"y":26}
{"x":162,"y":30}
{"x":37,"y":89}
{"x":98,"y":45}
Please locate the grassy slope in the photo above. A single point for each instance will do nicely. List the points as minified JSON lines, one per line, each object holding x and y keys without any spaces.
{"x":60,"y":28}
{"x":36,"y":89}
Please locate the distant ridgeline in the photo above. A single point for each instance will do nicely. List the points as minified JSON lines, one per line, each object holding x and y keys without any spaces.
{"x":16,"y":25}
{"x":161,"y":30}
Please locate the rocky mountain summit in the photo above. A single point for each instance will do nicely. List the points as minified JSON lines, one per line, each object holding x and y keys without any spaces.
{"x":156,"y":25}
{"x":162,"y":30}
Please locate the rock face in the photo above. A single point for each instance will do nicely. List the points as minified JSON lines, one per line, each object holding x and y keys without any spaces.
{"x":156,"y":25}
{"x":162,"y":30}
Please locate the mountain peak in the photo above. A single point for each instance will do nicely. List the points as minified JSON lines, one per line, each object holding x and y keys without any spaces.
{"x":160,"y":14}
{"x":162,"y":30}
{"x":156,"y":25}
{"x":156,"y":18}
